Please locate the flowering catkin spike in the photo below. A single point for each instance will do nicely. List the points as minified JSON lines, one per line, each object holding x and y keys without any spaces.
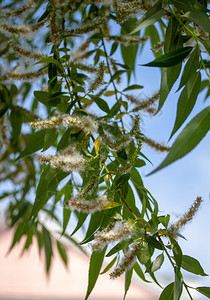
{"x":21,"y":30}
{"x":28,"y":76}
{"x":127,"y":261}
{"x":127,"y":39}
{"x":155,"y":145}
{"x":53,"y":122}
{"x":68,"y":160}
{"x":142,"y":105}
{"x":84,"y":123}
{"x":98,"y":78}
{"x":53,"y":25}
{"x":119,"y":231}
{"x":87,"y":206}
{"x":21,"y":9}
{"x":187,"y":217}
{"x":27,"y":53}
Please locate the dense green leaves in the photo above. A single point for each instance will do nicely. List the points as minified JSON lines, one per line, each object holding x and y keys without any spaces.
{"x":90,"y":121}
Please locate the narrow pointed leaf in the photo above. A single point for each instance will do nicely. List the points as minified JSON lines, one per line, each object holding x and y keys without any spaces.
{"x":204,"y":290}
{"x":190,"y":68}
{"x":187,"y":100}
{"x":170,"y":59}
{"x":35,"y":143}
{"x":108,"y":267}
{"x":188,"y":139}
{"x":128,"y":277}
{"x":151,"y":16}
{"x":139,"y":272}
{"x":96,"y":261}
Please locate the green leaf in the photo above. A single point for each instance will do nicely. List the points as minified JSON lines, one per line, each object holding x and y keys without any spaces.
{"x":50,"y":60}
{"x":101,"y":103}
{"x":170,"y":75}
{"x":204,"y":290}
{"x":118,"y":247}
{"x":95,"y":222}
{"x":129,"y":52}
{"x":96,"y":261}
{"x":139,"y":272}
{"x":108,"y":267}
{"x":128,"y":277}
{"x":42,"y":96}
{"x":164,"y":220}
{"x":190,"y":67}
{"x":178,"y":284}
{"x":144,"y":253}
{"x":66,"y":217}
{"x":35,"y":143}
{"x":187,"y":100}
{"x":81,"y":219}
{"x":151,"y":16}
{"x":19,"y":232}
{"x":122,"y":180}
{"x":157,"y":263}
{"x":170,"y":59}
{"x":47,"y":247}
{"x":16,"y":123}
{"x":50,"y":137}
{"x":177,"y":251}
{"x":152,"y":32}
{"x":114,"y":48}
{"x":168,"y":78}
{"x":190,"y":136}
{"x":133,"y":87}
{"x":168,"y":292}
{"x":62,"y":253}
{"x":192,"y":265}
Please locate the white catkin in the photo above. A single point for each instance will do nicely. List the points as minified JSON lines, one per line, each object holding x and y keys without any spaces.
{"x":88,"y":206}
{"x":120,"y":231}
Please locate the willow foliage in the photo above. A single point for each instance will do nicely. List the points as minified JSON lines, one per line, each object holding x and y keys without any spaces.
{"x":66,"y":93}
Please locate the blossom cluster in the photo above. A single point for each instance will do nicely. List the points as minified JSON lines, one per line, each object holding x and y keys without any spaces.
{"x":85,"y":123}
{"x":88,"y":206}
{"x":127,"y":261}
{"x":68,"y":160}
{"x":120,"y":230}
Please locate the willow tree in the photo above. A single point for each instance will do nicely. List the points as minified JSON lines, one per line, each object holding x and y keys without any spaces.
{"x":66,"y":71}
